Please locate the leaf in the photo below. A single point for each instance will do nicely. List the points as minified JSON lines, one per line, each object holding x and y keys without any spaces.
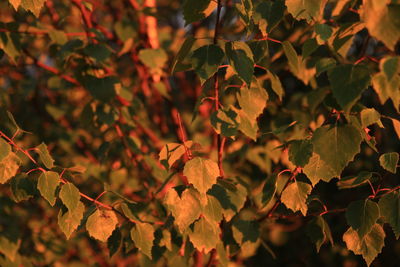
{"x":183,"y":52}
{"x":268,"y":15}
{"x":252,"y":101}
{"x":101,"y":224}
{"x":300,"y":152}
{"x":317,"y":169}
{"x":361,"y":215}
{"x":337,"y":145}
{"x":15,"y":3}
{"x":396,"y":126}
{"x":276,"y":85}
{"x":5,"y":149}
{"x":231,"y":197}
{"x":389,"y":161}
{"x":153,"y":58}
{"x":306,"y":9}
{"x":387,"y":82}
{"x":9,"y":247}
{"x":319,"y":232}
{"x":382,"y":21}
{"x":244,"y":231}
{"x":206,"y":60}
{"x":269,"y":189}
{"x":47,"y":185}
{"x":348,"y":82}
{"x":11,"y":45}
{"x":68,"y":221}
{"x":354,"y":181}
{"x":171,"y":152}
{"x":58,"y":37}
{"x":213,"y":210}
{"x":8,"y":167}
{"x":205,"y":235}
{"x":22,"y":187}
{"x":102,"y":89}
{"x":185,"y":208}
{"x":98,"y":52}
{"x":370,"y":116}
{"x":33,"y":5}
{"x":114,"y":242}
{"x":323,"y":32}
{"x":202,"y":173}
{"x":241,"y":59}
{"x":224,"y":122}
{"x":195,"y":10}
{"x":325,"y":64}
{"x":142,"y":235}
{"x":368,"y":247}
{"x":309,"y":47}
{"x":70,"y":196}
{"x":297,"y":65}
{"x":389,"y":206}
{"x":295,"y":195}
{"x":44,"y":155}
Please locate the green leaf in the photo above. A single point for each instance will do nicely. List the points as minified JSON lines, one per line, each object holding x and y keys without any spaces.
{"x":33,"y":5}
{"x":370,"y":116}
{"x":171,"y":152}
{"x":213,"y":210}
{"x":206,"y":60}
{"x":306,"y":9}
{"x":317,"y":169}
{"x":153,"y":58}
{"x":102,"y":89}
{"x":5,"y":149}
{"x":389,"y":206}
{"x":382,"y":21}
{"x":114,"y":242}
{"x":9,"y":247}
{"x":354,"y":181}
{"x":325,"y":64}
{"x":10,"y":44}
{"x":269,"y":189}
{"x":8,"y":167}
{"x":205,"y":235}
{"x":297,"y":65}
{"x":99,"y":52}
{"x":348,"y":82}
{"x":58,"y":37}
{"x":389,"y":161}
{"x":183,"y":52}
{"x":224,"y":122}
{"x":387,"y":82}
{"x":368,"y":247}
{"x":309,"y":47}
{"x":319,"y":232}
{"x":244,"y":231}
{"x":300,"y":152}
{"x":69,"y":220}
{"x":241,"y":59}
{"x":361,"y":215}
{"x":252,"y":101}
{"x":185,"y":208}
{"x":268,"y":15}
{"x":202,"y":173}
{"x":44,"y":155}
{"x":295,"y":195}
{"x":337,"y":145}
{"x":22,"y":187}
{"x":323,"y":32}
{"x":47,"y":185}
{"x":195,"y":10}
{"x":70,"y":196}
{"x":101,"y":224}
{"x":142,"y":235}
{"x":276,"y":85}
